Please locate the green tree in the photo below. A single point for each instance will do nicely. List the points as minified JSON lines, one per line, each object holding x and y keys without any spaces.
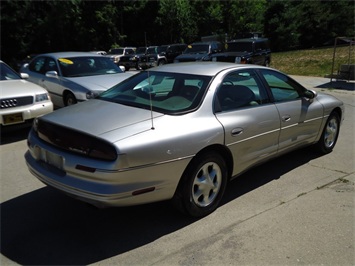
{"x":322,"y":21}
{"x":177,"y":20}
{"x":244,"y":16}
{"x":281,"y":25}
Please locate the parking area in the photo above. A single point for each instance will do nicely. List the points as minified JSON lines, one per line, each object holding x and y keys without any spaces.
{"x":295,"y":210}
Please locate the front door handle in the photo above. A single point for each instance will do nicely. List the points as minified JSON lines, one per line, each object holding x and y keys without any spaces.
{"x":237,"y":131}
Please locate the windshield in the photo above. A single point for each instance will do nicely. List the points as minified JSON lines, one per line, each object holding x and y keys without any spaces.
{"x":197,"y":49}
{"x":87,"y":66}
{"x":162,"y":49}
{"x":152,"y":50}
{"x":141,"y":50}
{"x":7,"y":73}
{"x":240,"y":47}
{"x":168,"y":93}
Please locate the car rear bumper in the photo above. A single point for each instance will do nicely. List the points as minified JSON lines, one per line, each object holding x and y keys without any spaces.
{"x":106,"y":186}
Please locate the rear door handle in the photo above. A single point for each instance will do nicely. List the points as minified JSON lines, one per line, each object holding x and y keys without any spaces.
{"x":286,"y":118}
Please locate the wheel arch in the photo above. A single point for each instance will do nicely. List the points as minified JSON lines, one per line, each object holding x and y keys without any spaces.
{"x":67,"y":92}
{"x":339,"y":112}
{"x":221,"y":150}
{"x":179,"y":199}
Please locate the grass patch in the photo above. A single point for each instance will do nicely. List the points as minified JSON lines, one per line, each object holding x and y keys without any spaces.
{"x":312,"y":62}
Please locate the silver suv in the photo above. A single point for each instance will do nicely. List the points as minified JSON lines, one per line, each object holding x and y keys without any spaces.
{"x":116,"y":53}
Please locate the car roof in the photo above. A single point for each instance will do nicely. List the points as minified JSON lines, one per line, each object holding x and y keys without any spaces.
{"x":209,"y":42}
{"x":250,"y":40}
{"x":200,"y":68}
{"x":70,"y":54}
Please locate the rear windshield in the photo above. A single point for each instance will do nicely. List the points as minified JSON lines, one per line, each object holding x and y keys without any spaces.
{"x":168,"y":93}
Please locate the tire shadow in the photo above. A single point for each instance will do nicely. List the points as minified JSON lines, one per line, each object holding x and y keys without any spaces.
{"x":14,"y":133}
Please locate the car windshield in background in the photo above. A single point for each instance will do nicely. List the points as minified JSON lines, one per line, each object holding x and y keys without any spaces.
{"x":141,"y":50}
{"x":162,"y":49}
{"x":87,"y":66}
{"x":7,"y":73}
{"x":152,"y":50}
{"x":168,"y":93}
{"x":239,"y":47}
{"x":197,"y":48}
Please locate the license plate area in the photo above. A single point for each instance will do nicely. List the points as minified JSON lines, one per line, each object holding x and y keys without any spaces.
{"x":12,"y":118}
{"x":50,"y":158}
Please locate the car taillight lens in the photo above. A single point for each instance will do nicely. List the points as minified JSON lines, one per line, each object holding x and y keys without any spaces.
{"x":75,"y":141}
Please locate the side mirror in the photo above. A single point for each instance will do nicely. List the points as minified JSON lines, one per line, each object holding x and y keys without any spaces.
{"x":52,"y":74}
{"x":310,"y":94}
{"x":24,"y":75}
{"x":122,"y":68}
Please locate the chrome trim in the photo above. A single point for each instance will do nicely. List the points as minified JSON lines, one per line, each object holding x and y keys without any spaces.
{"x":253,"y":137}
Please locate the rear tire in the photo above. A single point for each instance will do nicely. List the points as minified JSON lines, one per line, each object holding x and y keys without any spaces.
{"x":202,"y":185}
{"x":330,"y":134}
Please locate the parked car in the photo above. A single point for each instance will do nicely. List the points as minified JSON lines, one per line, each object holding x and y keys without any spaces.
{"x":246,"y":51}
{"x":143,"y":62}
{"x":72,"y":77}
{"x":165,"y":54}
{"x":199,"y":51}
{"x":179,"y":132}
{"x":115,"y":54}
{"x":132,"y":60}
{"x":20,"y":100}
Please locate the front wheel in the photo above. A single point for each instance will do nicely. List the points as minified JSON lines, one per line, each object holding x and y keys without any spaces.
{"x":69,"y":99}
{"x":202,"y":185}
{"x":330,"y":134}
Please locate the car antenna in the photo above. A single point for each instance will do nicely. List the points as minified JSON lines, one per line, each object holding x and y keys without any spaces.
{"x":150,"y":93}
{"x":150,"y":101}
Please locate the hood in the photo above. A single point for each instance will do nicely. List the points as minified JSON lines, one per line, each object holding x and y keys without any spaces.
{"x":101,"y":118}
{"x":230,"y":56}
{"x":18,"y":88}
{"x":100,"y":82}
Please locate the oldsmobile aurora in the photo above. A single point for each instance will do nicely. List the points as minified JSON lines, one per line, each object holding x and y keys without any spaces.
{"x":180,"y":132}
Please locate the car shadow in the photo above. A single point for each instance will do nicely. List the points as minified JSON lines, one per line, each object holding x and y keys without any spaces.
{"x":339,"y":84}
{"x":45,"y":227}
{"x":267,"y":172}
{"x":13,"y":134}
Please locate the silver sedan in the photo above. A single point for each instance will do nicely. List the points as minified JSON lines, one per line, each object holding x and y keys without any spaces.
{"x":180,"y":132}
{"x":72,"y":77}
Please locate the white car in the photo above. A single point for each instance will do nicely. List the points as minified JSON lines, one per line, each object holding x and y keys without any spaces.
{"x":20,"y":100}
{"x":72,"y":77}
